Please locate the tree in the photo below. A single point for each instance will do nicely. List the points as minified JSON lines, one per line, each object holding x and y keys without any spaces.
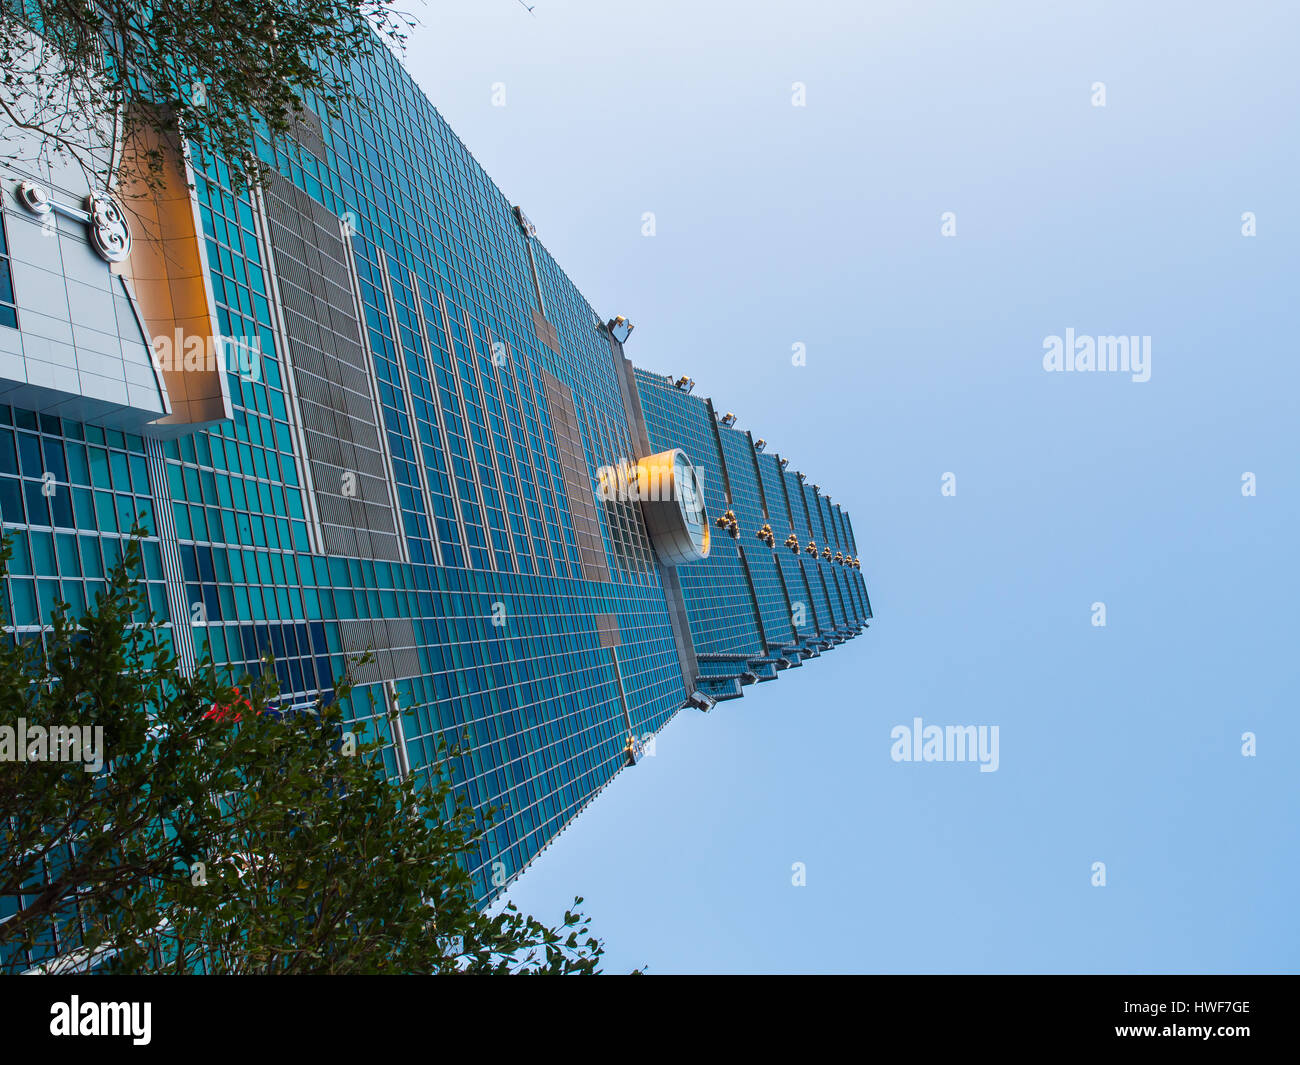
{"x":87,"y":76}
{"x":226,"y":835}
{"x":72,"y":840}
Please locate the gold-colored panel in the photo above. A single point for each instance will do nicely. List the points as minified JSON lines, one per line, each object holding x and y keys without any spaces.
{"x":167,"y":276}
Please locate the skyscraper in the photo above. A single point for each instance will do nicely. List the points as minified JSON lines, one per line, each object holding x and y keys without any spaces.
{"x":361,"y":408}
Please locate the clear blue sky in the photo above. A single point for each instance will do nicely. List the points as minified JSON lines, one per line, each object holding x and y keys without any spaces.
{"x":821,"y":225}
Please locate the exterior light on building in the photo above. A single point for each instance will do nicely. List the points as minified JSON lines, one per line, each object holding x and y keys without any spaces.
{"x":785,"y":463}
{"x":728,"y":521}
{"x":760,"y":445}
{"x":528,"y":228}
{"x":728,"y":419}
{"x":811,"y":548}
{"x":701,"y":701}
{"x":621,"y":328}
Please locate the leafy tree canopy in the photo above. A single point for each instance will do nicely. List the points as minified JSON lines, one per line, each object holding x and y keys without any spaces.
{"x":224,"y":834}
{"x":87,"y":75}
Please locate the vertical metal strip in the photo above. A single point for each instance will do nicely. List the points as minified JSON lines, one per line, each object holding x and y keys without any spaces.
{"x":398,"y":730}
{"x":262,"y":231}
{"x":469,"y":436}
{"x":442,"y":425}
{"x":785,"y":491}
{"x":818,"y":623}
{"x":722,"y":458}
{"x":165,"y":520}
{"x":789,"y":602}
{"x":753,"y":600}
{"x":410,"y":406}
{"x":619,"y":552}
{"x":491,"y":444}
{"x":731,"y":502}
{"x":510,"y":440}
{"x":622,"y":693}
{"x":537,"y":279}
{"x":557,"y":559}
{"x":355,"y":281}
{"x":758,"y":476}
{"x":528,"y":455}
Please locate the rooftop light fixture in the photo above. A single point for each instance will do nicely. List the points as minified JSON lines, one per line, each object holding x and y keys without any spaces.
{"x":528,"y":228}
{"x":701,"y":701}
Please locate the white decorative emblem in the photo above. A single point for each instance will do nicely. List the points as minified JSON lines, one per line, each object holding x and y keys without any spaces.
{"x":105,"y":223}
{"x":108,"y":230}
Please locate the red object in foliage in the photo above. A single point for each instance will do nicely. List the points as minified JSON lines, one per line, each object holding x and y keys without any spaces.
{"x":217,"y":712}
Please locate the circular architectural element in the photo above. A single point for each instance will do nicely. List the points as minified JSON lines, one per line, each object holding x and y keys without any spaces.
{"x":34,"y":198}
{"x":672,"y":500}
{"x":109,"y":234}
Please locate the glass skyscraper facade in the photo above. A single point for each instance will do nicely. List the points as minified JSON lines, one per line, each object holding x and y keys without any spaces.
{"x":400,"y":427}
